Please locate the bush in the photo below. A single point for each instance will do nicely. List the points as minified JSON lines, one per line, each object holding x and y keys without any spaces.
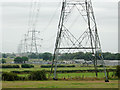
{"x":49,"y":66}
{"x":101,"y":66}
{"x":9,"y":76}
{"x":21,"y":72}
{"x":10,"y":66}
{"x":118,"y":71}
{"x":38,"y":75}
{"x":27,"y":66}
{"x":3,"y":61}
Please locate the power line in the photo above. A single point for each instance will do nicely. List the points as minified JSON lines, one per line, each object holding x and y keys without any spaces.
{"x":31,"y":38}
{"x":51,"y":19}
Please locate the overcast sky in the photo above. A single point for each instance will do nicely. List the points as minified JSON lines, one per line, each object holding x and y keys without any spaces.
{"x":15,"y":17}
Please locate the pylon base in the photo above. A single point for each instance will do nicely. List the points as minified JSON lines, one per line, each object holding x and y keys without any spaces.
{"x":106,"y":80}
{"x":55,"y":79}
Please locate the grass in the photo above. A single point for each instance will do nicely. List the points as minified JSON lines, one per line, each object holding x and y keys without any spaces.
{"x":101,"y":75}
{"x":60,"y":84}
{"x":23,"y":75}
{"x":69,"y":75}
{"x":37,"y":67}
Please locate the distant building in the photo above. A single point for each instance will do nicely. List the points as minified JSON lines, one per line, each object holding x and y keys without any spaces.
{"x":79,"y":61}
{"x":67,"y":62}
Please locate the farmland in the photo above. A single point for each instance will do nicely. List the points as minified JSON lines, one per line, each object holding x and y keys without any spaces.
{"x":82,"y":77}
{"x":77,"y":71}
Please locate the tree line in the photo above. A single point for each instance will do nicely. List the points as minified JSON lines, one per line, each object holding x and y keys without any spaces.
{"x":88,"y":56}
{"x":70,"y":56}
{"x":77,"y":55}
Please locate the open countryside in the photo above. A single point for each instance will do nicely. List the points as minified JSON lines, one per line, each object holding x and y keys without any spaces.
{"x":59,"y":44}
{"x":79,"y":76}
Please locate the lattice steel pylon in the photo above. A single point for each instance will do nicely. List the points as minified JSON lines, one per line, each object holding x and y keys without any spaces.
{"x":88,"y":40}
{"x":30,"y":44}
{"x":32,"y":41}
{"x":33,"y":34}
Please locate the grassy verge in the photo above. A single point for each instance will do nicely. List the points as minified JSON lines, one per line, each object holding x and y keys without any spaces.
{"x":60,"y":84}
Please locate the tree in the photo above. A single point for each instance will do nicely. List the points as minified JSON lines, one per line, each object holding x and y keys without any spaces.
{"x":12,"y":55}
{"x":24,"y":59}
{"x":4,"y":55}
{"x":33,"y":56}
{"x":88,"y":56}
{"x":3,"y":61}
{"x":40,"y":56}
{"x":47,"y":56}
{"x":79,"y":55}
{"x":118,"y":71}
{"x":18,"y":60}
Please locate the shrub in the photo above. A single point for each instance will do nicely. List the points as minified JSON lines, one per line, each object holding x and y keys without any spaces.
{"x":9,"y":76}
{"x":49,"y":66}
{"x":16,"y":66}
{"x":38,"y":75}
{"x":21,"y":72}
{"x":27,"y":66}
{"x":118,"y":71}
{"x":101,"y":66}
{"x":10,"y":66}
{"x":3,"y":61}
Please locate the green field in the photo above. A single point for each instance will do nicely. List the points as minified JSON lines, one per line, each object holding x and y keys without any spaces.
{"x":76,"y":75}
{"x":66,"y":80}
{"x":60,"y":84}
{"x":63,"y":75}
{"x":73,"y":75}
{"x":37,"y":67}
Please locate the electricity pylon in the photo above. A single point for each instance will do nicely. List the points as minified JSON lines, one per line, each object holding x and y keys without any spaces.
{"x":31,"y":42}
{"x":88,"y":40}
{"x":34,"y":43}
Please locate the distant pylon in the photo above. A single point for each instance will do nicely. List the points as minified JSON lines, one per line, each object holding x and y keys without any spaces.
{"x":32,"y":41}
{"x":30,"y":44}
{"x":88,"y":40}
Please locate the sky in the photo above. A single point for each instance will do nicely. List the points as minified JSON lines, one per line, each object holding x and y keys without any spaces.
{"x":14,"y":16}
